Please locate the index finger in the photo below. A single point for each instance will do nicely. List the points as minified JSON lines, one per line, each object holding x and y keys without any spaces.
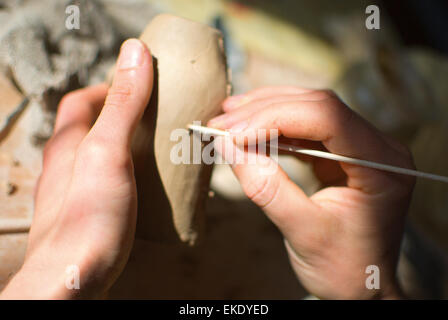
{"x":339,"y":129}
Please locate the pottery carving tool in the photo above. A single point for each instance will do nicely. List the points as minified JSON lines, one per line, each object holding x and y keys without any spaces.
{"x":332,"y":156}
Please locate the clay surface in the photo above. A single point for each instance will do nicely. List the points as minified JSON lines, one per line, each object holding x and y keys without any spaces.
{"x":191,"y":82}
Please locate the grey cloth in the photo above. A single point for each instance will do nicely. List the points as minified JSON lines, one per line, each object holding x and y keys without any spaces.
{"x":44,"y":57}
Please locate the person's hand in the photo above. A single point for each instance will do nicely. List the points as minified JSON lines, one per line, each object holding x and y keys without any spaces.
{"x":86,"y":199}
{"x":356,"y":220}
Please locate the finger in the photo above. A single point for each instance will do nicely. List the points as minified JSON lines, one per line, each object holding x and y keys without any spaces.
{"x":340,"y":130}
{"x":127,"y":98}
{"x":76,"y":113}
{"x":80,"y":107}
{"x":227,"y":120}
{"x":236,"y":101}
{"x":268,"y":186}
{"x":328,"y":172}
{"x":251,"y":106}
{"x":398,"y":146}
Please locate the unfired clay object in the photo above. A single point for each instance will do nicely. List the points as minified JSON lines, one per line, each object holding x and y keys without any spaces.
{"x":190,"y":84}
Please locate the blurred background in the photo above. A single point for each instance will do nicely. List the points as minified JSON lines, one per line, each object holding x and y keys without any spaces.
{"x":396,"y":77}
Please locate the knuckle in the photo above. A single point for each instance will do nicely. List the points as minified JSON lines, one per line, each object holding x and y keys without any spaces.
{"x":402,"y":188}
{"x":93,"y":151}
{"x":119,"y":94}
{"x":403,"y":152}
{"x":330,"y":93}
{"x":326,"y":94}
{"x":69,"y":99}
{"x":262,"y":190}
{"x":407,"y":154}
{"x":336,"y":113}
{"x":67,"y":103}
{"x":409,"y":163}
{"x":99,"y":153}
{"x":317,"y":95}
{"x":53,"y":145}
{"x":71,"y":107}
{"x":275,"y":112}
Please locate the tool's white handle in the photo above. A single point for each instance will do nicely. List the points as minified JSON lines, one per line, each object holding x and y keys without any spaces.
{"x":332,"y":156}
{"x":364,"y":163}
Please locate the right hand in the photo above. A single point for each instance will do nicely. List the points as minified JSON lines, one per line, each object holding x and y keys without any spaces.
{"x":357,"y":219}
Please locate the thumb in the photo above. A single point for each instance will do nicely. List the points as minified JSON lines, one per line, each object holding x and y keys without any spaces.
{"x":128,"y":96}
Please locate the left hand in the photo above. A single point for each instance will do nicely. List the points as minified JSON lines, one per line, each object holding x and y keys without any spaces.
{"x":86,"y":199}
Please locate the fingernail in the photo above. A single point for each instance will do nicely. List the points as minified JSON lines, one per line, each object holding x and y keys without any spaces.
{"x":239,"y":127}
{"x":131,"y":54}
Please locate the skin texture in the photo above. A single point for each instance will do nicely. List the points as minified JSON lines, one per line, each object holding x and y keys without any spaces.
{"x":86,"y":200}
{"x":85,"y":208}
{"x":356,"y":220}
